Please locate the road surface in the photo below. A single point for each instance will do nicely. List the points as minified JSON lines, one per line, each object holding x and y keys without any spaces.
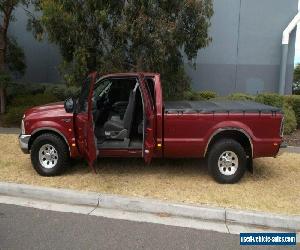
{"x":31,"y":228}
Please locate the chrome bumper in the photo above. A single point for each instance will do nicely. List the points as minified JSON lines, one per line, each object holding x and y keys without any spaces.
{"x":23,"y":142}
{"x":282,"y":148}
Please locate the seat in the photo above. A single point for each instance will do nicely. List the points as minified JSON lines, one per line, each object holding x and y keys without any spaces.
{"x":120,"y":129}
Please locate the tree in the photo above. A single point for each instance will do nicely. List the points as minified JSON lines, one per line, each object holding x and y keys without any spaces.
{"x":11,"y":55}
{"x":133,"y":35}
{"x":296,"y":82}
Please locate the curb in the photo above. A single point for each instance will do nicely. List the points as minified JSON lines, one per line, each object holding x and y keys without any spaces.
{"x":145,"y":205}
{"x":9,"y":130}
{"x":292,"y":149}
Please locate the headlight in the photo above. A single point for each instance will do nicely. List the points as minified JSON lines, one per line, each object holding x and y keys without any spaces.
{"x":22,"y":127}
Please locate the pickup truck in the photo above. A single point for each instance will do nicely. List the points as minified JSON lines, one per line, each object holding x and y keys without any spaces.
{"x":124,"y":115}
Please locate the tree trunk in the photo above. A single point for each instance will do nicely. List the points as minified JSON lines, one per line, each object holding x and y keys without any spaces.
{"x":2,"y":68}
{"x":2,"y":100}
{"x":3,"y":46}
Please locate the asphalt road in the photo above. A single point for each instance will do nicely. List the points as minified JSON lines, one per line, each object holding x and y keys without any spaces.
{"x":30,"y":228}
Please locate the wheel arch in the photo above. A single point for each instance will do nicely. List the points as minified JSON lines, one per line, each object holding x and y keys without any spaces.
{"x":237,"y":134}
{"x":46,"y":130}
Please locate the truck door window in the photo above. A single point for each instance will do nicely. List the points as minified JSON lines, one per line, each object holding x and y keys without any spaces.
{"x":150,"y":90}
{"x":101,"y":88}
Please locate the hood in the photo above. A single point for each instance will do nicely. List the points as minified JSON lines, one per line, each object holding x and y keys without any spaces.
{"x":51,"y":109}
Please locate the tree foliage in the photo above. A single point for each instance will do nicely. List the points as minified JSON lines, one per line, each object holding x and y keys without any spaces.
{"x":296,"y":83}
{"x":133,"y":35}
{"x":12,"y":58}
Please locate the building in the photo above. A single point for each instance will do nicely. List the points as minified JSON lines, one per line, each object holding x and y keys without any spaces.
{"x":244,"y":56}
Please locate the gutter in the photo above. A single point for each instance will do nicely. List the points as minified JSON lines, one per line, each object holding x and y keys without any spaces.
{"x":285,"y":49}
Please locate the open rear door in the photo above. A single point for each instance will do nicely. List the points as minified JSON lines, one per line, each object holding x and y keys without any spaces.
{"x":149,"y":121}
{"x":84,"y":124}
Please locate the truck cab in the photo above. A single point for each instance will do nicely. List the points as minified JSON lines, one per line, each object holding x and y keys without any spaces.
{"x":123,"y":115}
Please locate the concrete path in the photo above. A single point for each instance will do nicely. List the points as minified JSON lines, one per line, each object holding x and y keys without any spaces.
{"x":29,"y":228}
{"x":146,"y":210}
{"x":291,"y":149}
{"x":10,"y":130}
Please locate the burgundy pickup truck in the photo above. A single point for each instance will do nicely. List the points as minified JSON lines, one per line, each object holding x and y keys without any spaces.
{"x":124,"y":115}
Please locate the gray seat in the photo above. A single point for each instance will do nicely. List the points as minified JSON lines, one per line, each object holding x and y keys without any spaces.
{"x":120,"y":129}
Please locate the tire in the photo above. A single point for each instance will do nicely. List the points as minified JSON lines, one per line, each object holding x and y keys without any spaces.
{"x":49,"y":155}
{"x":227,"y":161}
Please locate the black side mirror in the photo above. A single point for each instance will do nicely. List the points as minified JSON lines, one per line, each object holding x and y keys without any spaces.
{"x":69,"y":105}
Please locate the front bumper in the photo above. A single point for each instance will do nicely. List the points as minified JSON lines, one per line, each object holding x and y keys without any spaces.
{"x":282,"y":148}
{"x":24,"y":143}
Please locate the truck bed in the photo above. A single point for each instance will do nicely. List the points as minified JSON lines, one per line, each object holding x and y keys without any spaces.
{"x":218,"y":106}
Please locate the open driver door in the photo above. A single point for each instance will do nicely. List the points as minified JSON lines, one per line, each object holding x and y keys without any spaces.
{"x":149,"y":120}
{"x":84,"y":124}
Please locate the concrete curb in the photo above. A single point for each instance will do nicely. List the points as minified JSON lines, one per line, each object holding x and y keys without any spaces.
{"x":292,"y":149}
{"x":144,"y":205}
{"x":10,"y":130}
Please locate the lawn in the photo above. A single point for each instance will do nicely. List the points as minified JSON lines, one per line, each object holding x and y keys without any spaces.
{"x":274,"y":186}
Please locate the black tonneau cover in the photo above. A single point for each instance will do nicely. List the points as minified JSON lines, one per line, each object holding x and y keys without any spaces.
{"x":218,"y":106}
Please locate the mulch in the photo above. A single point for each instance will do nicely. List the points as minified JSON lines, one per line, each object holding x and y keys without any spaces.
{"x":293,"y":139}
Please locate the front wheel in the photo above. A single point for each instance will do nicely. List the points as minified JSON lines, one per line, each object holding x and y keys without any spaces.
{"x":227,"y":161}
{"x":49,"y":154}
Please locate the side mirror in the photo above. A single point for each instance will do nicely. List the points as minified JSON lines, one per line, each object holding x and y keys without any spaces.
{"x":69,"y":105}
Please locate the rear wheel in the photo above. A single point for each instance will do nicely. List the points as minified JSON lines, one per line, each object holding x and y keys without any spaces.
{"x":49,"y":155}
{"x":227,"y":161}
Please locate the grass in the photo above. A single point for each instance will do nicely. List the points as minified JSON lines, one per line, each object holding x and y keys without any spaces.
{"x":274,"y":186}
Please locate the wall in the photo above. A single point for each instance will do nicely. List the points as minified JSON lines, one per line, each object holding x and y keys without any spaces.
{"x":243,"y":57}
{"x":246,"y":50}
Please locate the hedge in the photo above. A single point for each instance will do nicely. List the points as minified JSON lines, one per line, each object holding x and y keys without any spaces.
{"x":270,"y":99}
{"x":14,"y":115}
{"x":289,"y":106}
{"x":199,"y":96}
{"x":23,"y":96}
{"x":290,"y":122}
{"x":241,"y":97}
{"x":19,"y":104}
{"x":62,"y":92}
{"x":294,"y":102}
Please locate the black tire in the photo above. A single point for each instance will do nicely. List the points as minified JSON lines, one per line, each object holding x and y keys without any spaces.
{"x":227,"y":174}
{"x":61,"y":150}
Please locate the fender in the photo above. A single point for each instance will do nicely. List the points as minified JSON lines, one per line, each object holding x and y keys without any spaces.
{"x":222,"y":129}
{"x":66,"y":132}
{"x":51,"y":129}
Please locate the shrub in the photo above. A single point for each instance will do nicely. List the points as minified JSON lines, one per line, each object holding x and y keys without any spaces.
{"x":199,"y":96}
{"x":62,"y":92}
{"x":271,"y":99}
{"x":14,"y":115}
{"x":33,"y":100}
{"x":206,"y":95}
{"x":290,"y":123}
{"x":18,"y":89}
{"x":188,"y":95}
{"x":20,"y":104}
{"x":241,"y":97}
{"x":294,"y":102}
